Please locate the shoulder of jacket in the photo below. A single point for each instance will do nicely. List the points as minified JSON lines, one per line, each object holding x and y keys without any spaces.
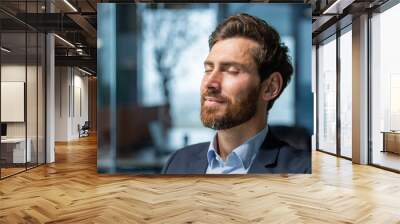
{"x":193,"y":148}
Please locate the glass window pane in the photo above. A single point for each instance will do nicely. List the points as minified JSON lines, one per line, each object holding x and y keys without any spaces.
{"x":13,"y":87}
{"x":32,"y":87}
{"x":31,"y":97}
{"x":385,"y":84}
{"x":22,"y":89}
{"x":345,"y":94}
{"x":179,"y":87}
{"x":327,"y":96}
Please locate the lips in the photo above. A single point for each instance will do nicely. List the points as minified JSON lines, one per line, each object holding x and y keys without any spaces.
{"x":210,"y":101}
{"x":214,"y":99}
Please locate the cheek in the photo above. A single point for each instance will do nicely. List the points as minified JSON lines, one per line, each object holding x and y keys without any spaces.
{"x":237,"y":89}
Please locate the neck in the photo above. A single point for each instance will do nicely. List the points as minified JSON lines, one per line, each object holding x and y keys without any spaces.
{"x":230,"y":139}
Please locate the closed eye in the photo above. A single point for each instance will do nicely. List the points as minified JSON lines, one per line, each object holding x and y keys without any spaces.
{"x":233,"y":70}
{"x":208,"y":66}
{"x":207,"y":71}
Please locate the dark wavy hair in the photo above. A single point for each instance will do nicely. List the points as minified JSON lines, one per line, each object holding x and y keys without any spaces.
{"x":271,"y":55}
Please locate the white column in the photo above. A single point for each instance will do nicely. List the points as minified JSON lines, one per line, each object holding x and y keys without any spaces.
{"x":50,"y":100}
{"x":50,"y":93}
{"x":360,"y":90}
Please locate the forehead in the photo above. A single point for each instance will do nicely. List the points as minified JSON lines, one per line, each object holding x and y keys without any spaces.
{"x":236,"y":49}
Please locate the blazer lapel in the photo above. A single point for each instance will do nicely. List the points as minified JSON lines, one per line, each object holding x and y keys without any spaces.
{"x":199,"y":163}
{"x":263,"y":162}
{"x":267,"y":155}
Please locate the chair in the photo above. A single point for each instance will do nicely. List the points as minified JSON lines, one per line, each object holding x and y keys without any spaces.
{"x":84,"y":130}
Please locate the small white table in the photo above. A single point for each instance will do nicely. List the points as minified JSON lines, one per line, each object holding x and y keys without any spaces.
{"x":19,"y":149}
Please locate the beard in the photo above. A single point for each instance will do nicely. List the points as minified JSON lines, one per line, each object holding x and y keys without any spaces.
{"x":233,"y":114}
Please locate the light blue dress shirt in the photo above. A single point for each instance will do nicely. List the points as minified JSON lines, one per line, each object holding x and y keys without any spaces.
{"x":239,"y":160}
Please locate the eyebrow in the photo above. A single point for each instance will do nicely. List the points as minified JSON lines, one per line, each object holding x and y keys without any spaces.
{"x":224,"y":64}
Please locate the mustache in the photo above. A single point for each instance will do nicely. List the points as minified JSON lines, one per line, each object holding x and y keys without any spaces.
{"x":215,"y":95}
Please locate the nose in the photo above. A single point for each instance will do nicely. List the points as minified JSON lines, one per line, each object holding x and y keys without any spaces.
{"x":213,"y":81}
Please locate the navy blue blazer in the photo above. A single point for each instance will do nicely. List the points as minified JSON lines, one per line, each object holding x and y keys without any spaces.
{"x":274,"y":156}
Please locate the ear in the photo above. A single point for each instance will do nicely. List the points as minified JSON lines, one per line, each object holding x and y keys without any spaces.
{"x":271,"y":87}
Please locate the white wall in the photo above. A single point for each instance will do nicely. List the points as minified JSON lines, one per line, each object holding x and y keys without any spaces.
{"x":33,"y":126}
{"x":80,"y":100}
{"x":16,"y":73}
{"x":71,"y":93}
{"x":13,"y":73}
{"x":61,"y":103}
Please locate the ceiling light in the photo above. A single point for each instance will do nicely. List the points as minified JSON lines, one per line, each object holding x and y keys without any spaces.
{"x":65,"y":41}
{"x":5,"y":50}
{"x":70,"y":5}
{"x":333,"y":6}
{"x":84,"y":71}
{"x":337,"y":7}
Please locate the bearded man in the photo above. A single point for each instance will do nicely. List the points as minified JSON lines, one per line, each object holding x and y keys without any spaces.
{"x":246,"y":70}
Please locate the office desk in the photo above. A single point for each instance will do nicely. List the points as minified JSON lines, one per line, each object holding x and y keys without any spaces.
{"x":13,"y":150}
{"x":391,"y":141}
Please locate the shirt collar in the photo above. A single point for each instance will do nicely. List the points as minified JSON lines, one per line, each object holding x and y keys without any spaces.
{"x":246,"y":152}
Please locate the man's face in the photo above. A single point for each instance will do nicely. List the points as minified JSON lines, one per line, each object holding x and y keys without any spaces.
{"x":230,"y":87}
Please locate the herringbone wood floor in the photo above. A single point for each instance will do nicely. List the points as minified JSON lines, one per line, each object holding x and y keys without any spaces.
{"x":70,"y":191}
